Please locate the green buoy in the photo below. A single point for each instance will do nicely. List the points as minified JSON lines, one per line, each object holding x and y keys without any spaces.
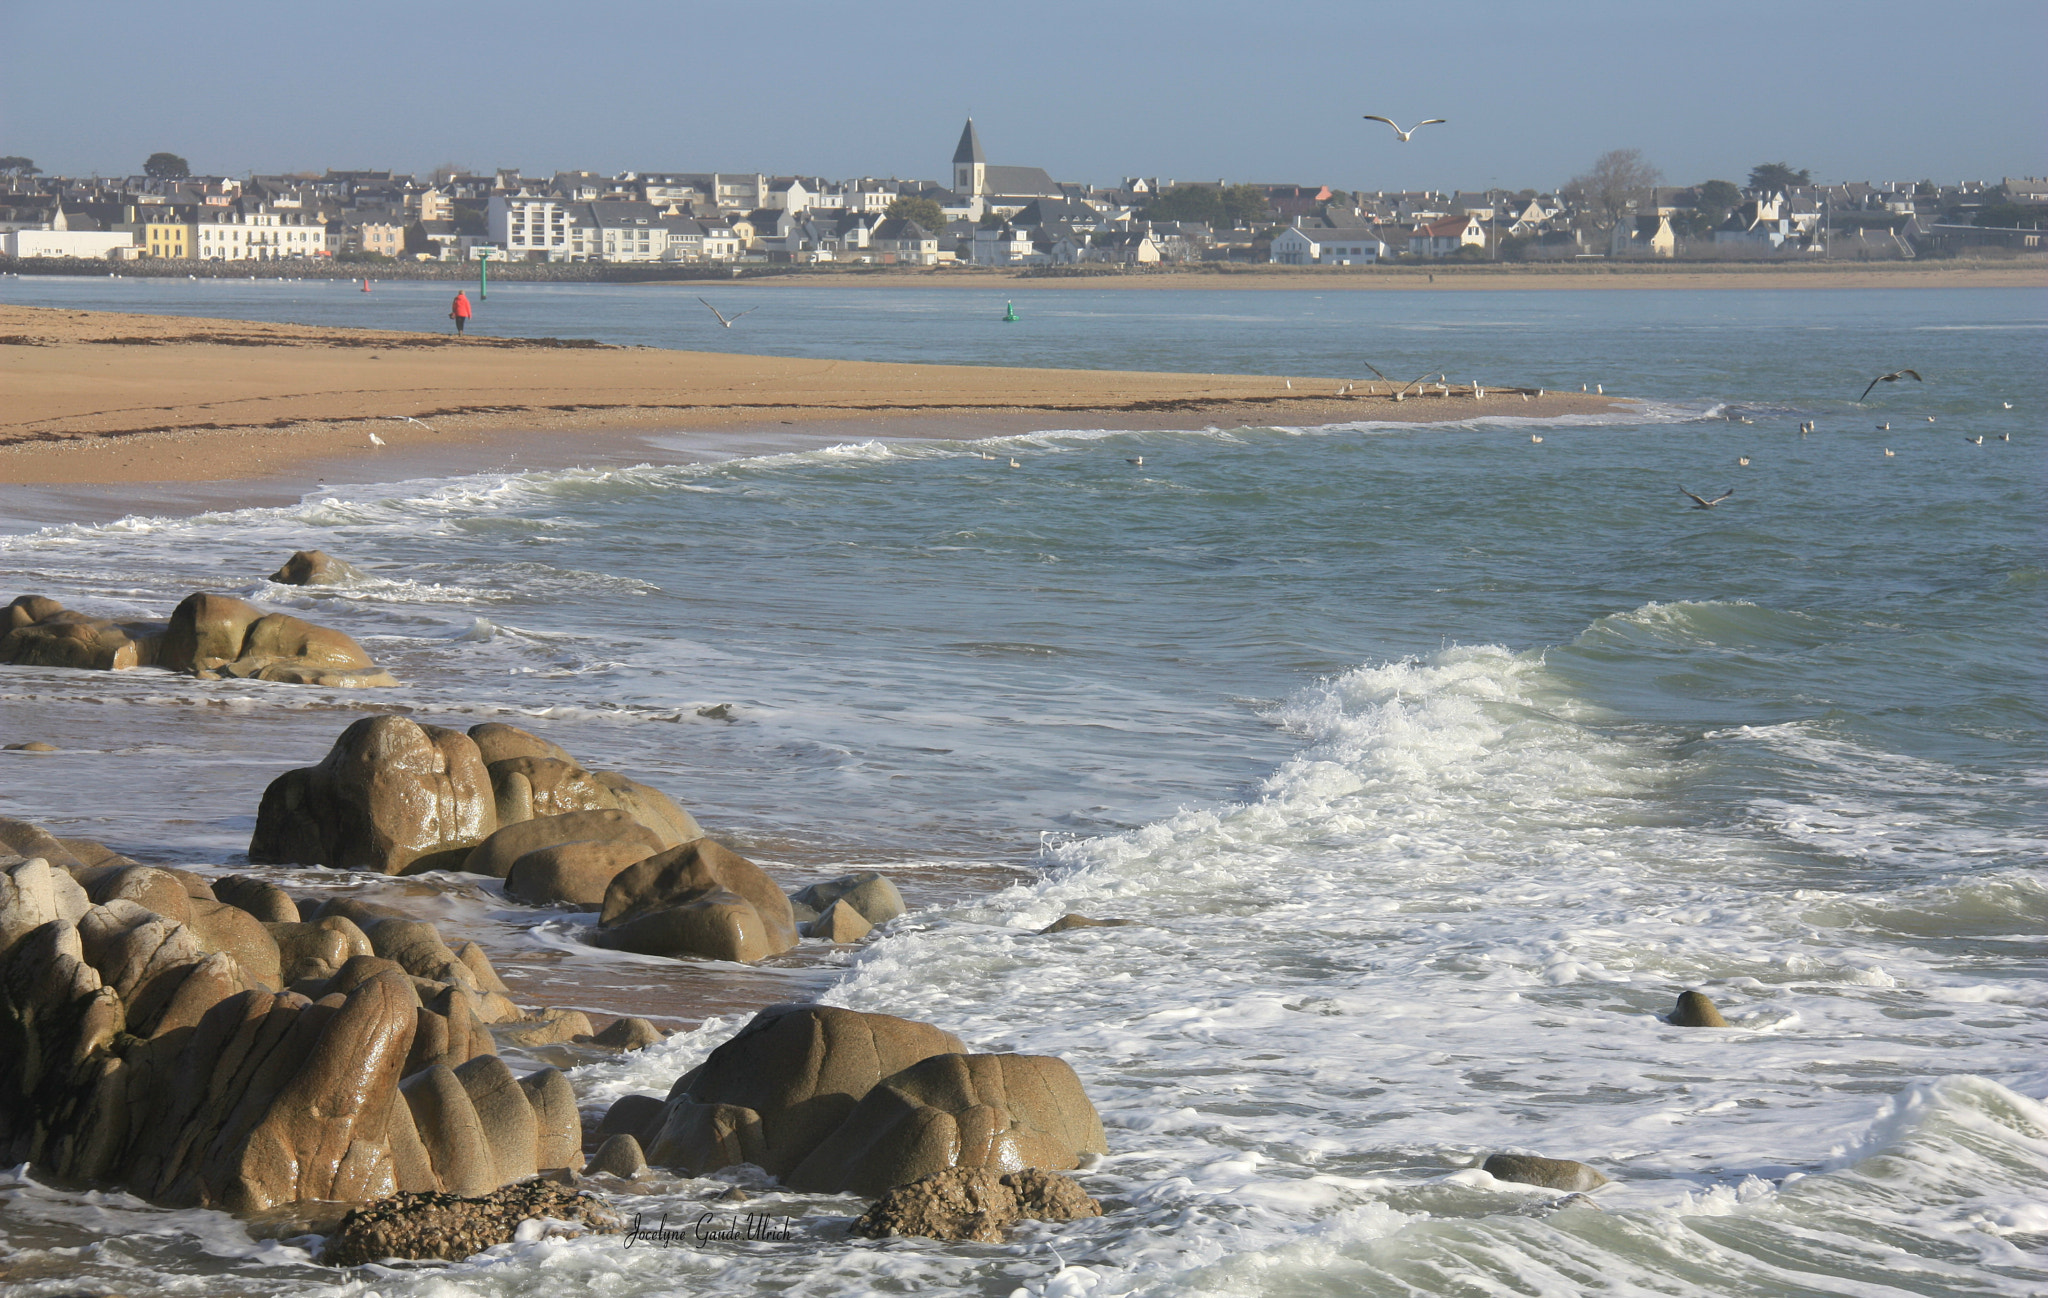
{"x":1010,"y":312}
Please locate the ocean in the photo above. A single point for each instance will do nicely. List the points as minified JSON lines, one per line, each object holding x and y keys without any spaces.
{"x":1433,"y":761}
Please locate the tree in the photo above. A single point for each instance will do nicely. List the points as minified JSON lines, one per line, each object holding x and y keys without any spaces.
{"x":19,"y":167}
{"x":1777,"y":175}
{"x":1619,"y":178}
{"x":1222,"y":206}
{"x":166,"y":166}
{"x":2009,"y":216}
{"x":924,"y":211}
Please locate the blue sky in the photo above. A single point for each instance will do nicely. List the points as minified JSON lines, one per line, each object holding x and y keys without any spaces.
{"x":1197,"y":90}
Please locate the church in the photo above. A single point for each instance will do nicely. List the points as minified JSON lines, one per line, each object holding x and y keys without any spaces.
{"x":1002,"y":190}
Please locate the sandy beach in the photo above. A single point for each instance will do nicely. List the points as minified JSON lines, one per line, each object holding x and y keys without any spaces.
{"x":111,"y":398}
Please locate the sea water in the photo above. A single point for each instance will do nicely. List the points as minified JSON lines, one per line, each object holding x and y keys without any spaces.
{"x":1432,"y":761}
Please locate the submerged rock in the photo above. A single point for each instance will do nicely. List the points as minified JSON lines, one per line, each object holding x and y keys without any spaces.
{"x":314,"y":568}
{"x":1550,"y":1173}
{"x":628,"y":1034}
{"x":868,"y":893}
{"x":840,"y":923}
{"x":1695,"y":1011}
{"x":209,"y":636}
{"x":977,"y":1204}
{"x":1066,"y":922}
{"x":452,"y":1227}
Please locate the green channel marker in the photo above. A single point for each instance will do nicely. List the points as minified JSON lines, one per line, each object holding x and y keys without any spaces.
{"x":1010,"y":312}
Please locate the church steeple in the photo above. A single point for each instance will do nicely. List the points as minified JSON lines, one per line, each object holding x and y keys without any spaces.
{"x":970,"y":165}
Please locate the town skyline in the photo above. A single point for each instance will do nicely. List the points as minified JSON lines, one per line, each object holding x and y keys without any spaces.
{"x":1531,"y":98}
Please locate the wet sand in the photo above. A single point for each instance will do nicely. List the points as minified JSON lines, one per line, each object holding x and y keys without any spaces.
{"x":110,"y":398}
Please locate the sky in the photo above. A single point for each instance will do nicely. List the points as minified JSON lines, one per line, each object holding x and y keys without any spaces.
{"x":1093,"y":92}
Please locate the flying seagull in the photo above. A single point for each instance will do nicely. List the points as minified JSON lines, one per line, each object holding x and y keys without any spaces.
{"x":1700,"y":502}
{"x":421,"y":422}
{"x":724,"y":319}
{"x":1375,"y":117}
{"x":1892,"y":377}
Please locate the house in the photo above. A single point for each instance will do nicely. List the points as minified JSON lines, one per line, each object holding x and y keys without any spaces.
{"x":1128,"y":248}
{"x":239,"y":234}
{"x":904,"y":241}
{"x":1442,"y":237}
{"x":1642,"y":236}
{"x":627,"y":231}
{"x":1004,"y":245}
{"x":381,"y":233}
{"x":1756,"y":223}
{"x":538,"y":227}
{"x":1357,"y":245}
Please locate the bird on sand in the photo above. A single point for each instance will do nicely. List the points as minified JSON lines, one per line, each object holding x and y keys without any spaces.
{"x":1431,"y":121}
{"x":1892,"y":377}
{"x":1742,"y":460}
{"x":1701,"y":502}
{"x":722,"y":317}
{"x":1138,"y":460}
{"x":376,"y":440}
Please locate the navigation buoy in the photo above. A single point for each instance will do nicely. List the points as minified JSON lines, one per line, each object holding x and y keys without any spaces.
{"x":366,"y":283}
{"x":1010,"y":312}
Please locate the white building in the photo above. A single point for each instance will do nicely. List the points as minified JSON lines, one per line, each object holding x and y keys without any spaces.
{"x":1358,"y":245}
{"x":236,"y":234}
{"x":68,"y":243}
{"x":534,"y":227}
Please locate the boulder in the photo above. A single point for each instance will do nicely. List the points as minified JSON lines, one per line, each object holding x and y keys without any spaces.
{"x":505,"y":1115}
{"x":628,"y":1034}
{"x":314,"y":568}
{"x":450,"y":1130}
{"x":553,"y":1028}
{"x":317,"y":948}
{"x":531,"y":787}
{"x":631,"y":1114}
{"x":450,"y":1227}
{"x":498,"y":741}
{"x":95,"y":855}
{"x":32,"y":746}
{"x":572,"y":874}
{"x":39,"y":632}
{"x":26,"y":840}
{"x":840,"y":923}
{"x":869,"y":893}
{"x":618,"y":1156}
{"x":1000,"y":1112}
{"x":208,"y":635}
{"x":1696,"y":1011}
{"x":699,"y":899}
{"x":33,"y":893}
{"x":1067,"y":922}
{"x":559,"y":1142}
{"x":391,"y":796}
{"x":260,"y":897}
{"x":234,"y":931}
{"x":793,"y":1074}
{"x":496,"y":854}
{"x":479,"y":966}
{"x":1550,"y":1173}
{"x":976,"y":1204}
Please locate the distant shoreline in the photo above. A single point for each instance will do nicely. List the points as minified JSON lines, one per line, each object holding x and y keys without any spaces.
{"x":2018,"y":272}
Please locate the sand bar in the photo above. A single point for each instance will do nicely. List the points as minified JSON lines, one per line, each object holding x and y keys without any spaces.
{"x":113,"y":398}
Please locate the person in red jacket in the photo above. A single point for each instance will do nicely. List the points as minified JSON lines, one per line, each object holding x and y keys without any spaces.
{"x":460,"y":312}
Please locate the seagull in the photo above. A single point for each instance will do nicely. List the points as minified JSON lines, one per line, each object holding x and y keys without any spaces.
{"x":421,"y":422}
{"x":1744,"y":419}
{"x":1289,"y":383}
{"x":1433,"y":121}
{"x":1599,"y":391}
{"x":1892,"y":377}
{"x":1742,"y":460}
{"x":1534,"y":438}
{"x":1887,"y":452}
{"x":1138,"y":460}
{"x":1700,"y":502}
{"x":376,"y":440}
{"x":722,"y":318}
{"x":1014,"y":464}
{"x":1978,"y":440}
{"x":1885,"y":427}
{"x":2008,"y":405}
{"x":2005,"y":437}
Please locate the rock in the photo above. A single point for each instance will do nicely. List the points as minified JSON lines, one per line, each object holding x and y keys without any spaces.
{"x":631,"y":1114}
{"x":260,"y":897}
{"x":132,"y":948}
{"x":558,"y":1146}
{"x":554,"y":1027}
{"x":33,"y":893}
{"x":27,"y":840}
{"x":1066,"y":922}
{"x":1551,"y":1173}
{"x":574,"y":874}
{"x":498,"y":741}
{"x":505,"y":1114}
{"x":32,"y":746}
{"x":628,"y":1034}
{"x":213,"y":635}
{"x":957,"y":1111}
{"x":531,"y":787}
{"x":318,"y":948}
{"x":314,"y":568}
{"x":975,"y":1204}
{"x":95,"y":855}
{"x":39,"y":632}
{"x":1696,"y":1011}
{"x":450,"y":1131}
{"x":496,"y":854}
{"x":390,"y":796}
{"x":479,"y":965}
{"x":874,"y":897}
{"x":618,"y":1156}
{"x":795,"y":1071}
{"x":446,"y":1226}
{"x":699,"y":899}
{"x":840,"y":923}
{"x":229,"y":929}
